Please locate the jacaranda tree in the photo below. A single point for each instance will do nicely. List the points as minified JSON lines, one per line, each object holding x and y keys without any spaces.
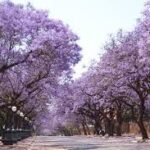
{"x":35,"y":52}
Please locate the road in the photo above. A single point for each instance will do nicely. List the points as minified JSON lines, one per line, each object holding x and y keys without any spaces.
{"x":78,"y":143}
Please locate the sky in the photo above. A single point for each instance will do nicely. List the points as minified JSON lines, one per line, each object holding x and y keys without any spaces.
{"x":92,"y":20}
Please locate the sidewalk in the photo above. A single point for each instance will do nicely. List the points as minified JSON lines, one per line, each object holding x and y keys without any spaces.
{"x":22,"y":145}
{"x":27,"y":144}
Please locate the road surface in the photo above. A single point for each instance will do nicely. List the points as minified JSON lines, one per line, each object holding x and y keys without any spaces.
{"x":78,"y":143}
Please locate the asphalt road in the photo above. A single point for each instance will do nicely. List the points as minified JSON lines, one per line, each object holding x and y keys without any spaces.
{"x":78,"y":143}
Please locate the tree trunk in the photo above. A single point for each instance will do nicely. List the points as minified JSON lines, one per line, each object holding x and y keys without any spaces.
{"x":118,"y":130}
{"x":88,"y":130}
{"x":96,"y":129}
{"x":78,"y":129}
{"x":111,"y":124}
{"x":84,"y":129}
{"x":109,"y":127}
{"x":141,"y":122}
{"x":97,"y":126}
{"x":143,"y":130}
{"x":119,"y":123}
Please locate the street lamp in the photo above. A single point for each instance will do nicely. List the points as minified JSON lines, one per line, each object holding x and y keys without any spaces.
{"x":21,"y":119}
{"x":14,"y":108}
{"x":26,"y":118}
{"x":115,"y":117}
{"x":21,"y":114}
{"x":18,"y":112}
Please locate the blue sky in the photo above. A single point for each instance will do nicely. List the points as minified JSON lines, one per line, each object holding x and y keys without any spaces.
{"x":92,"y":20}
